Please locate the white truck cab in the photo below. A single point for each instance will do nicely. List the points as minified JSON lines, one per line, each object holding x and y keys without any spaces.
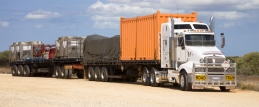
{"x":190,"y":58}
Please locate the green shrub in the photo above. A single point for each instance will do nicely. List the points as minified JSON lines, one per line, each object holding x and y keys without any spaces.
{"x":249,"y":64}
{"x":4,"y":59}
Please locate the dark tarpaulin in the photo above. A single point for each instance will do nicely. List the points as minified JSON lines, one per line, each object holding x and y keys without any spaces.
{"x":99,"y":48}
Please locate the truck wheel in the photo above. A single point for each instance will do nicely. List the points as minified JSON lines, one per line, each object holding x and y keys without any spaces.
{"x":145,"y":78}
{"x":223,"y":88}
{"x":97,"y":73}
{"x":64,"y":72}
{"x":153,"y":79}
{"x":57,"y":74}
{"x":104,"y":74}
{"x":14,"y":70}
{"x":90,"y":73}
{"x":20,"y":70}
{"x":26,"y":71}
{"x":69,"y":74}
{"x":184,"y":85}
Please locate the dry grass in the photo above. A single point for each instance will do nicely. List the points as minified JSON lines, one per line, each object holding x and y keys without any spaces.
{"x":248,"y":83}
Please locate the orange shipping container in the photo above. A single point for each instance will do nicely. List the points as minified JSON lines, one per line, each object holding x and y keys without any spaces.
{"x":139,"y":38}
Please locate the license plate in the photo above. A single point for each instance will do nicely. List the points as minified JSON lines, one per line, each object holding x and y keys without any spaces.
{"x":230,"y":77}
{"x":200,"y":77}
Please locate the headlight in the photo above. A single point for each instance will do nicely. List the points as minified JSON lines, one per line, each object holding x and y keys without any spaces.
{"x":201,"y":60}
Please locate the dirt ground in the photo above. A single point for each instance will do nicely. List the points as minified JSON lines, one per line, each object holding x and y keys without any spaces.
{"x":52,"y":92}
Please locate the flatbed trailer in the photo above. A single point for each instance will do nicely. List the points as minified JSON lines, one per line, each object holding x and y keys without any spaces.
{"x":60,"y":60}
{"x":60,"y":68}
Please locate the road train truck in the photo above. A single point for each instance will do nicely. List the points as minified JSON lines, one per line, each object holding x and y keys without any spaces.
{"x":161,"y":48}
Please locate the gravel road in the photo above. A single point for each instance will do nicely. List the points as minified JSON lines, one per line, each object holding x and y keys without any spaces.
{"x":52,"y":92}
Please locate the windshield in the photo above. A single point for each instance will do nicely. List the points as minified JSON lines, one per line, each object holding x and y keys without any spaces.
{"x":199,"y":26}
{"x":182,"y":26}
{"x":200,"y":40}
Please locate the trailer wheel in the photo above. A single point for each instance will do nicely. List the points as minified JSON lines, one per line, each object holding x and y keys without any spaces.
{"x":57,"y":72}
{"x":26,"y":71}
{"x":104,"y":74}
{"x":184,"y":85}
{"x":97,"y":73}
{"x":20,"y":70}
{"x":69,"y":74}
{"x":223,"y":88}
{"x":153,"y":78}
{"x":64,"y":72}
{"x":14,"y":70}
{"x":145,"y":78}
{"x":90,"y":73}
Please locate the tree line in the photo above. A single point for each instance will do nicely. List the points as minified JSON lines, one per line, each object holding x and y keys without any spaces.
{"x":248,"y":64}
{"x":4,"y":59}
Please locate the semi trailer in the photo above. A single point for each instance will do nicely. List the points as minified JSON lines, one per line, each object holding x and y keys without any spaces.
{"x":161,"y":48}
{"x":158,"y":48}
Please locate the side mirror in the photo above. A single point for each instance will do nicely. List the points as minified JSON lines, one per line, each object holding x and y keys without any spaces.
{"x":222,"y":40}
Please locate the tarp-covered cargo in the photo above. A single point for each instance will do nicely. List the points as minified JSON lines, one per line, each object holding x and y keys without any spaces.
{"x":98,"y":48}
{"x":69,"y":47}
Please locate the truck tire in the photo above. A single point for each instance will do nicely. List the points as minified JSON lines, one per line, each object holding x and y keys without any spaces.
{"x":26,"y":71}
{"x":69,"y":76}
{"x":97,"y":73}
{"x":153,"y":79}
{"x":184,"y":85}
{"x":64,"y":72}
{"x":20,"y":70}
{"x":104,"y":74}
{"x":90,"y":73}
{"x":57,"y":71}
{"x":223,"y":88}
{"x":14,"y":70}
{"x":145,"y":79}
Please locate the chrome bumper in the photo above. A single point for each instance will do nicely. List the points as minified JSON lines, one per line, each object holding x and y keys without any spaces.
{"x":214,"y":74}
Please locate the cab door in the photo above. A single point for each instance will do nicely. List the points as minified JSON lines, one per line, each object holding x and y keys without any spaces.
{"x":181,"y":51}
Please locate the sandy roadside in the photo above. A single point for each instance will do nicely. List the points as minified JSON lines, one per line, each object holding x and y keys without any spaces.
{"x":52,"y":92}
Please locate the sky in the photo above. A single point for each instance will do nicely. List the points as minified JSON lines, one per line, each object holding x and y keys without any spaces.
{"x":46,"y":20}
